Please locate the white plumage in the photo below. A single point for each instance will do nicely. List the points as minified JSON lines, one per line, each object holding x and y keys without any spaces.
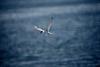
{"x":46,"y":30}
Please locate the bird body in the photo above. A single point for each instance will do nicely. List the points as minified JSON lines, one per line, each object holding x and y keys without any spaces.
{"x":46,"y":30}
{"x":42,"y":31}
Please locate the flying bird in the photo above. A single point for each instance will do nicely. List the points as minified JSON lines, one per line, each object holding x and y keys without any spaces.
{"x":47,"y":30}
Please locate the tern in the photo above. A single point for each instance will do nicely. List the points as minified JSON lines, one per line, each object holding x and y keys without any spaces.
{"x":45,"y":30}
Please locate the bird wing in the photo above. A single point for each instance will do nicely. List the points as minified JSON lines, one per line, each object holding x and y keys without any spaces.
{"x":39,"y":29}
{"x":50,"y":24}
{"x":49,"y":27}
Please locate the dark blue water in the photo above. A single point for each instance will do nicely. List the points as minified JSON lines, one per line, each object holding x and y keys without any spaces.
{"x":75,"y":41}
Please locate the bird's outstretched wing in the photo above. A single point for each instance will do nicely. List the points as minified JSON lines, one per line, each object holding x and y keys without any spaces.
{"x":49,"y":27}
{"x":39,"y":29}
{"x":50,"y":24}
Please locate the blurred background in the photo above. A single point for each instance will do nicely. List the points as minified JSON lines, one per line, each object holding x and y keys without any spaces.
{"x":75,"y":41}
